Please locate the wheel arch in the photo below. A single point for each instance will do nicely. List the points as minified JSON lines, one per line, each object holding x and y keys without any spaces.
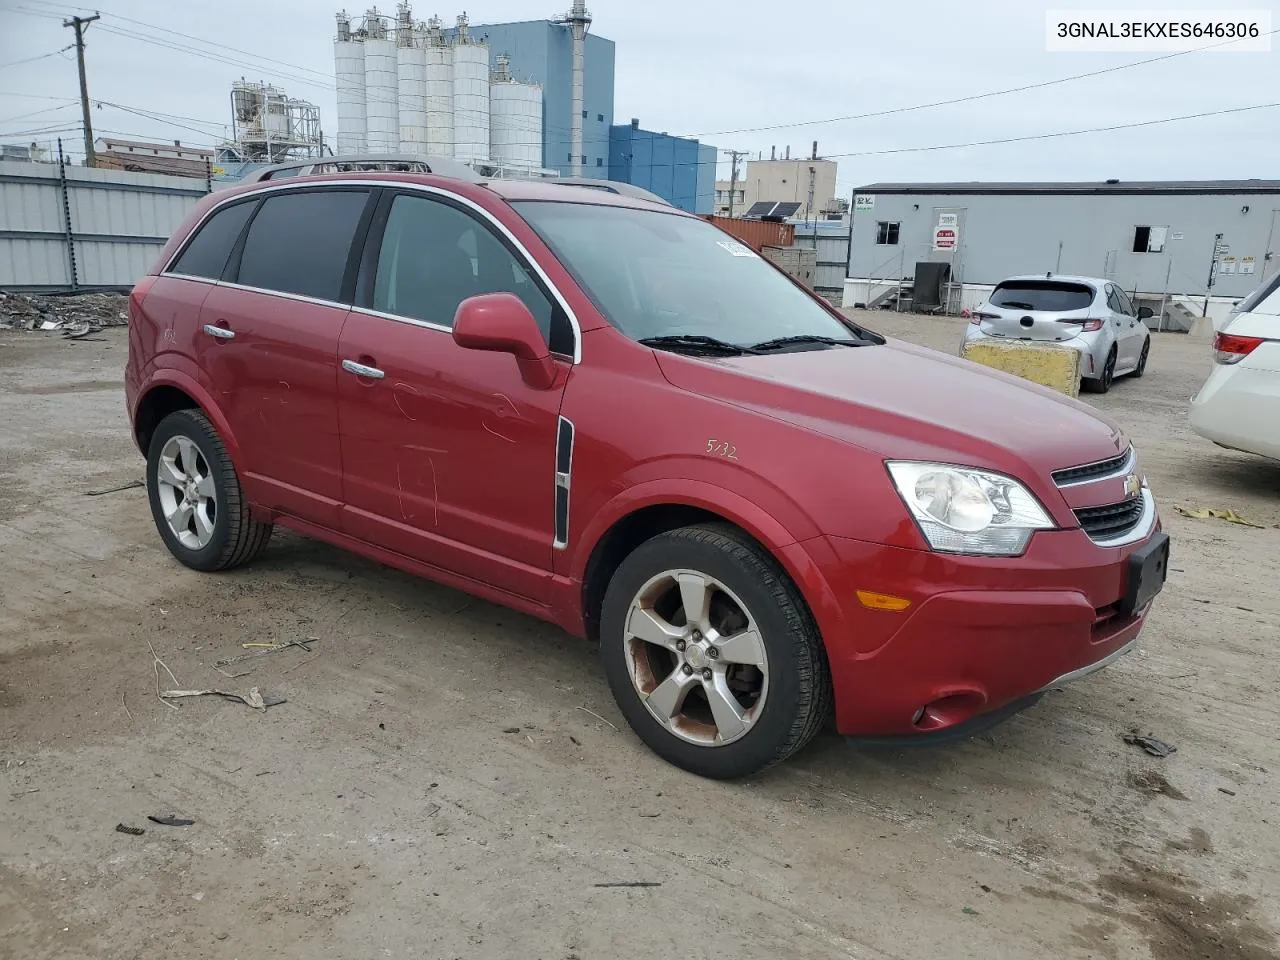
{"x":168,"y":392}
{"x":640,"y":515}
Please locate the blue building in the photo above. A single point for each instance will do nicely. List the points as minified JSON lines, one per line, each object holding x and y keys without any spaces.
{"x":541,"y":51}
{"x":680,"y":170}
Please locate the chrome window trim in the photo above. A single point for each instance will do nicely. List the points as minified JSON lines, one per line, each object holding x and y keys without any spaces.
{"x":289,"y":184}
{"x":1126,"y":467}
{"x":1141,"y":530}
{"x":425,"y":324}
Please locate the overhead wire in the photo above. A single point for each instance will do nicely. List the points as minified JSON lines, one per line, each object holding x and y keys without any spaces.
{"x":975,"y":96}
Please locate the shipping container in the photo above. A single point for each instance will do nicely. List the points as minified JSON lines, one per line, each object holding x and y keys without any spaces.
{"x":756,"y":234}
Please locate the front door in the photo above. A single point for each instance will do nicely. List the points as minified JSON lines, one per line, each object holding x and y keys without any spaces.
{"x":449,"y":456}
{"x":269,"y":349}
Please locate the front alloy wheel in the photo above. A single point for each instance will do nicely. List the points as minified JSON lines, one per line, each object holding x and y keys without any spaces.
{"x":712,"y":654}
{"x":695,"y":657}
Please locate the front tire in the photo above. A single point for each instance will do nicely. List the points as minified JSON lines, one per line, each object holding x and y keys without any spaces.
{"x":1142,"y":360}
{"x":196,"y":500}
{"x":712,"y":654}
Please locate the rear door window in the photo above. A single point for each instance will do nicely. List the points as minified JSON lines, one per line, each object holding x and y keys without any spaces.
{"x":299,"y":242}
{"x":1042,"y":295}
{"x":207,"y":252}
{"x":1126,"y":305}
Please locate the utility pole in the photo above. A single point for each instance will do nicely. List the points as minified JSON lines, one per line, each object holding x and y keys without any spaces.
{"x":735,"y":155}
{"x":80,"y":24}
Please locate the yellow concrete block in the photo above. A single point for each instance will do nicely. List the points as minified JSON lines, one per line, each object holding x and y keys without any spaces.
{"x":1047,"y":364}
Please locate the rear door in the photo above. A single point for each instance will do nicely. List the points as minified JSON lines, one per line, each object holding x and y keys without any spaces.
{"x":269,"y":346}
{"x":1031,"y":309}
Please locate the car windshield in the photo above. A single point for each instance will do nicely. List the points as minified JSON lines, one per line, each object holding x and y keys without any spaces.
{"x":661,"y":275}
{"x":1041,"y":295}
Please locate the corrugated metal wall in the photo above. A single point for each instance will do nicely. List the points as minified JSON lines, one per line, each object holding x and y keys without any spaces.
{"x":82,"y":228}
{"x":756,"y":233}
{"x":832,"y":245}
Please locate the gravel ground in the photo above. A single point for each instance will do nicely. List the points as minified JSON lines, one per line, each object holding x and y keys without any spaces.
{"x":449,"y":779}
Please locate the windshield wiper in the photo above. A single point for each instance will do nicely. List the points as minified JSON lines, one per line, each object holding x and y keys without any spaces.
{"x":1016,"y":305}
{"x":804,"y":338}
{"x":693,"y":341}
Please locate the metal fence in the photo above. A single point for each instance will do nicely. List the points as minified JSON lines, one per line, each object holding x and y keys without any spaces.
{"x":831,"y":240}
{"x":65,"y":228}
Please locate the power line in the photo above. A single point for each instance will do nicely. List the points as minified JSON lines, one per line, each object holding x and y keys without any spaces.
{"x":43,"y":56}
{"x":976,"y":96}
{"x":36,"y":113}
{"x":186,"y":36}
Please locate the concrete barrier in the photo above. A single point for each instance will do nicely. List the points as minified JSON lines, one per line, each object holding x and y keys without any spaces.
{"x":1044,"y":363}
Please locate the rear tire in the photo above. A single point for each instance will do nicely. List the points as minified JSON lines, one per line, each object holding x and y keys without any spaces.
{"x":1103,"y":383}
{"x":196,"y":500}
{"x":758,"y":697}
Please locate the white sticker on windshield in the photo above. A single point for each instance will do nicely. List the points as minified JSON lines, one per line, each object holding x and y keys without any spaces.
{"x":736,"y":248}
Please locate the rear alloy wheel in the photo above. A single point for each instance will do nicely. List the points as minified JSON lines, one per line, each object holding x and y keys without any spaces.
{"x":711,"y":654}
{"x":196,"y":500}
{"x":1142,"y":360}
{"x":1103,"y":383}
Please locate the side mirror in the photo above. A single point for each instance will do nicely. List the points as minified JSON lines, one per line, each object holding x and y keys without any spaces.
{"x":502,"y":323}
{"x":1145,"y":313}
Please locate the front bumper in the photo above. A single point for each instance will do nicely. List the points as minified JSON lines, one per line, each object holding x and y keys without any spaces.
{"x":981,"y":634}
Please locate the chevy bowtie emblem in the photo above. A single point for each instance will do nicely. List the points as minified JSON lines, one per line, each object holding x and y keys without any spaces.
{"x":1132,"y":485}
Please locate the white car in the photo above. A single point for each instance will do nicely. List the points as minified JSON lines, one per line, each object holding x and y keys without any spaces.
{"x":1239,"y":405}
{"x":1092,"y":316}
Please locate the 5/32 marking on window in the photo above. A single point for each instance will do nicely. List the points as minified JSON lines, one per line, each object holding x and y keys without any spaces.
{"x":722,"y":448}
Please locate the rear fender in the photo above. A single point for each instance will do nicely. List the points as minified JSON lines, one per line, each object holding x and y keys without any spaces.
{"x":174,"y":376}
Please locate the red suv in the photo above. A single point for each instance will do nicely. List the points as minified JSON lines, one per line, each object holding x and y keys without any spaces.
{"x":609,"y":414}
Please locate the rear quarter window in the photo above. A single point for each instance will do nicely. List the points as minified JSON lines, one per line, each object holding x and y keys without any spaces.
{"x":207,"y":252}
{"x":1265,"y":299}
{"x":1042,"y":295}
{"x":299,"y":242}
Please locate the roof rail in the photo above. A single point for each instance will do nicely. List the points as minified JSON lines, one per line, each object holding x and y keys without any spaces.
{"x":611,"y":186}
{"x":348,"y":163}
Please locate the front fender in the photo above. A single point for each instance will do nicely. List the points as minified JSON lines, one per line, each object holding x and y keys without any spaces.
{"x":797,"y":558}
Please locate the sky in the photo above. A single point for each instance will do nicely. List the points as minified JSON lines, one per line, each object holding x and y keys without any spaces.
{"x":710,"y":68}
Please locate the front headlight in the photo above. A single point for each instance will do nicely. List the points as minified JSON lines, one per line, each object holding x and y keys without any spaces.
{"x":963,"y":510}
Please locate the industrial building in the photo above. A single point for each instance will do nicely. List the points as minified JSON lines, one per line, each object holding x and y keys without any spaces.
{"x":533,"y":98}
{"x":1161,"y":241}
{"x":680,"y":170}
{"x":783,"y":180}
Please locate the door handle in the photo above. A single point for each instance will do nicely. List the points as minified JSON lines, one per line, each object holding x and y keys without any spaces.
{"x":222,"y":333}
{"x":361,"y":370}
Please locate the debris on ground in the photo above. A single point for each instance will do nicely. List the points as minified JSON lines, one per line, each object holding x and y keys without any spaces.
{"x":171,"y":821}
{"x":264,"y":649}
{"x":630,"y":883}
{"x":1157,"y":748}
{"x":252,"y":699}
{"x":969,"y":911}
{"x":1207,"y":513}
{"x":77,"y":315}
{"x":1229,"y":793}
{"x":1149,"y":781}
{"x":131,"y":831}
{"x":116,"y":489}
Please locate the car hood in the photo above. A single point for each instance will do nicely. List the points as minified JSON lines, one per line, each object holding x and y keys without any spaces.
{"x":907,"y":402}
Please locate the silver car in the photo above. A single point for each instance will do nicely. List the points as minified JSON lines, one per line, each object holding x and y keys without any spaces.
{"x":1092,"y":316}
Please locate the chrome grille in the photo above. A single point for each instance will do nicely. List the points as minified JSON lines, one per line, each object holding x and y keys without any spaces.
{"x":1111,"y":521}
{"x":1093,"y":471}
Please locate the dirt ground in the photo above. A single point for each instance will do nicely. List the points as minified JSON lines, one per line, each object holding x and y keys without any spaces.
{"x":438,"y":784}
